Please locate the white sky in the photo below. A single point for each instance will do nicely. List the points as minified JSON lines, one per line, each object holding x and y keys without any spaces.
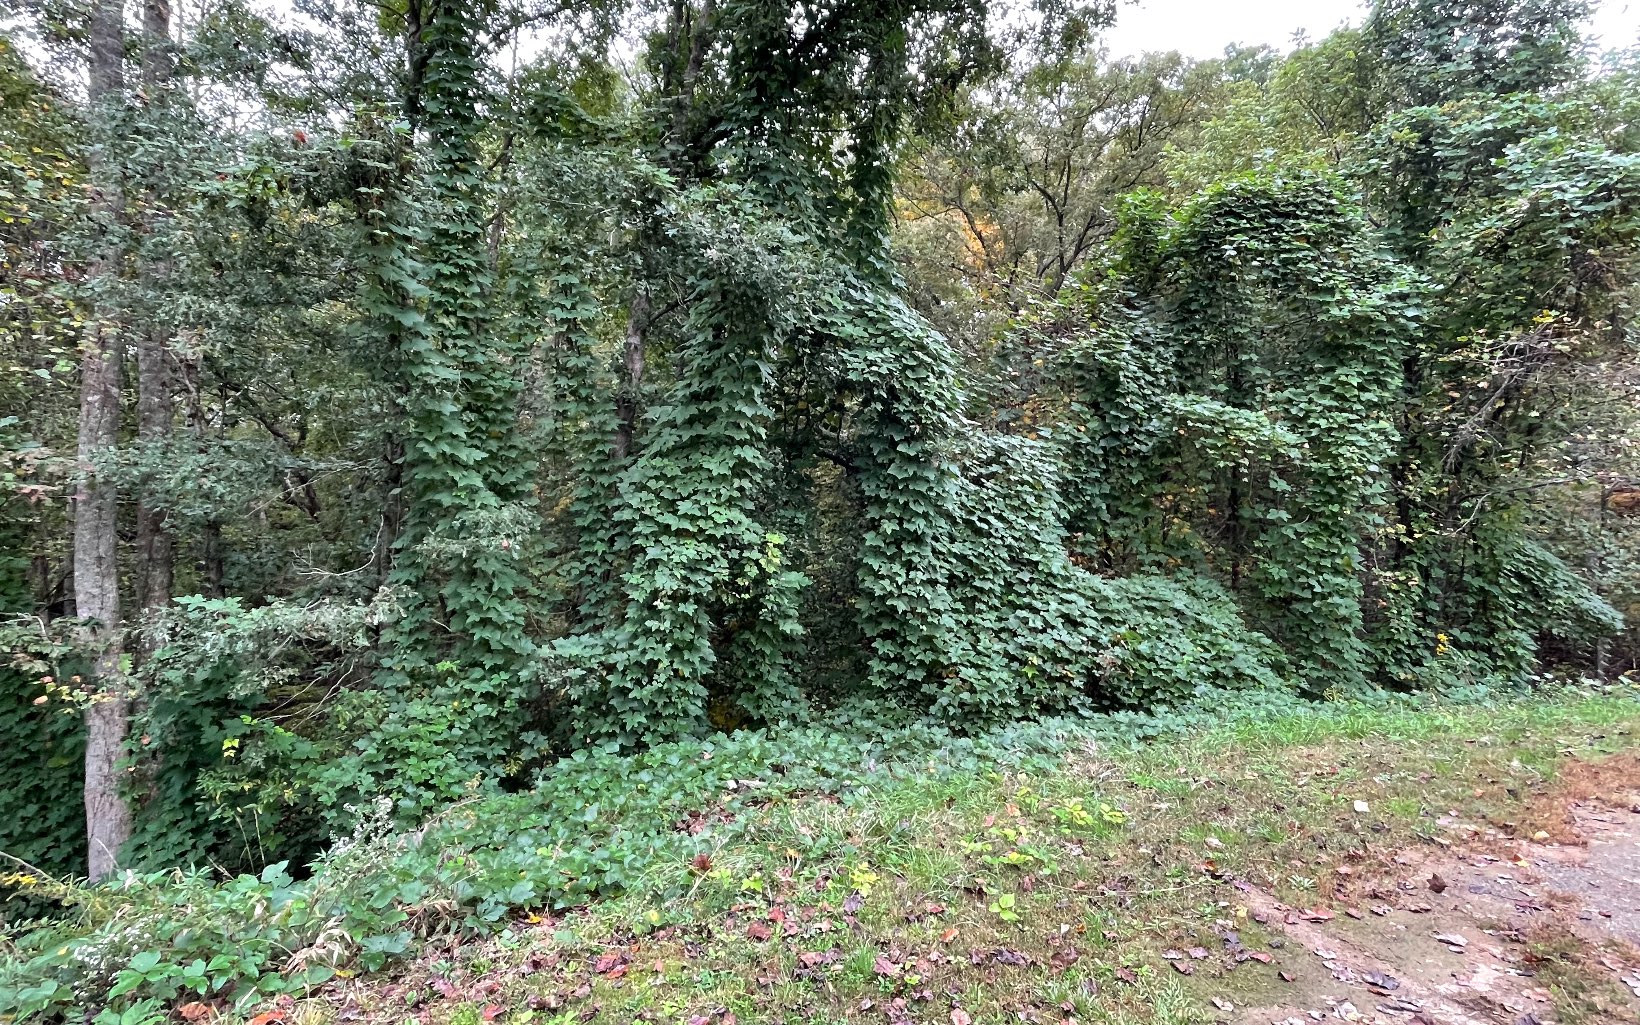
{"x":1202,"y":28}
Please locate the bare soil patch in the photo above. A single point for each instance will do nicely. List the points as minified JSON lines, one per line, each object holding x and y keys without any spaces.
{"x":1478,"y":928}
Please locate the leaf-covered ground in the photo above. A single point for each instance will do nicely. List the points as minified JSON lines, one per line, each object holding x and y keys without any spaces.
{"x":1428,"y":867}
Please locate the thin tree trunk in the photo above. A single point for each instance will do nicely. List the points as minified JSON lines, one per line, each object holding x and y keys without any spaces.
{"x":698,"y":33}
{"x":626,"y":405}
{"x":392,"y":522}
{"x":96,"y":506}
{"x":213,"y":569}
{"x":155,"y":547}
{"x":211,"y":562}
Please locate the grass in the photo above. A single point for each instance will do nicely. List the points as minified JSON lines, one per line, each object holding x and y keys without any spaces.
{"x":998,"y":896}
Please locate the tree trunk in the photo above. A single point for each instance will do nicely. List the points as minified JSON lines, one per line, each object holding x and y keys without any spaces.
{"x":155,"y":548}
{"x":96,"y":505}
{"x":213,"y":560}
{"x":154,"y":544}
{"x":626,"y":405}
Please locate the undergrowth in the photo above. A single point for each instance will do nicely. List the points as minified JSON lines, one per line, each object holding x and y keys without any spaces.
{"x":681,"y":827}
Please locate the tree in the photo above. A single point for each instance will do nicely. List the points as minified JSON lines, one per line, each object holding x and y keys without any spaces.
{"x":96,"y":508}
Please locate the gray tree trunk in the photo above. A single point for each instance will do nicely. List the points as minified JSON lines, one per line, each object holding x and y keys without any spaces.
{"x":626,"y":405}
{"x":155,"y":548}
{"x":96,"y":505}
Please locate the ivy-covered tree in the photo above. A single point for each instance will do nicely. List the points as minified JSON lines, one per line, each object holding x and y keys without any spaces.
{"x":442,"y":388}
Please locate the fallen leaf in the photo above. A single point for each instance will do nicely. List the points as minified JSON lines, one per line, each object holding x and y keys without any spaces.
{"x":194,"y":1011}
{"x":948,"y":935}
{"x":1223,"y":1005}
{"x":1198,"y":953}
{"x":1126,"y":975}
{"x":1183,"y":967}
{"x":960,"y":1017}
{"x":1286,"y":976}
{"x":758,"y":931}
{"x":491,"y":1012}
{"x":884,"y":967}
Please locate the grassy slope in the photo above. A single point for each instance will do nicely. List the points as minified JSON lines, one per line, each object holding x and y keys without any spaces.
{"x":996,"y":897}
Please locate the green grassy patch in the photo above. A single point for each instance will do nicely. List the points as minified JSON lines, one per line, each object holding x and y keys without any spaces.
{"x":1053,"y":878}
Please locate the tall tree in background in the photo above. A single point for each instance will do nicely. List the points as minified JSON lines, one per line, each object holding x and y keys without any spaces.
{"x":96,"y":505}
{"x":155,"y":548}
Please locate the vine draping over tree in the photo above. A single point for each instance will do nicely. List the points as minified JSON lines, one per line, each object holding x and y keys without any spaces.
{"x":732,"y":360}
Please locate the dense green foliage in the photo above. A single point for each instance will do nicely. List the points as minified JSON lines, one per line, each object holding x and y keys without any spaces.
{"x":503,"y":433}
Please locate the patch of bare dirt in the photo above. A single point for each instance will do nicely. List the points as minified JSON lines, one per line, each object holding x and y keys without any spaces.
{"x":1478,"y":929}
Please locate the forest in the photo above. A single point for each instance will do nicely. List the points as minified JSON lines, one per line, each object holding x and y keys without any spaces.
{"x":424,"y":418}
